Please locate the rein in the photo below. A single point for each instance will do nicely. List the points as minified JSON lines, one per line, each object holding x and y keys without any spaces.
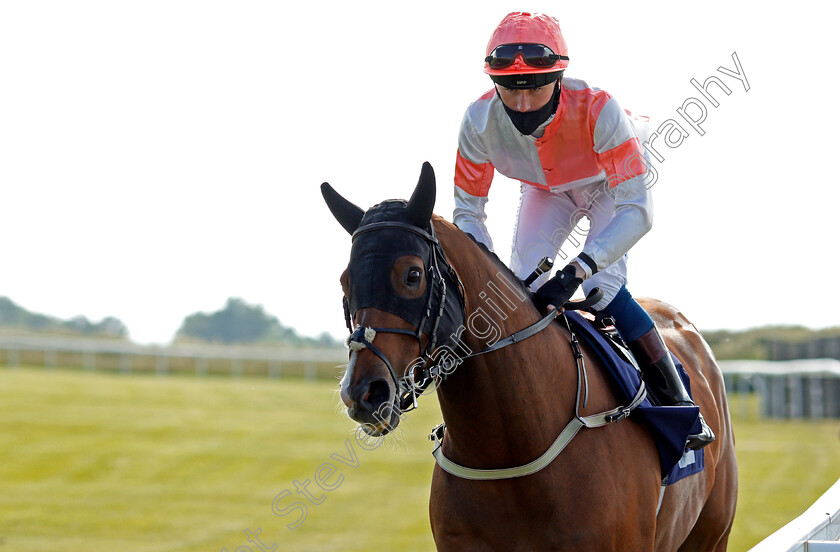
{"x":408,"y":389}
{"x":363,"y":337}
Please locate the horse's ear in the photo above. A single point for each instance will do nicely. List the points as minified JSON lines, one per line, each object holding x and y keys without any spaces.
{"x":347,"y":214}
{"x":422,"y":201}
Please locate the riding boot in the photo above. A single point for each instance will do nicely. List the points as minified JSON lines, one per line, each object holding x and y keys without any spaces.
{"x":660,"y":374}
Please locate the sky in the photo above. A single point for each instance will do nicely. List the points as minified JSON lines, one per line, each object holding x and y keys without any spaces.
{"x":159,"y":157}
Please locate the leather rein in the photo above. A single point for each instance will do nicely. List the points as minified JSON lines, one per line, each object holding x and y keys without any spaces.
{"x":408,"y":388}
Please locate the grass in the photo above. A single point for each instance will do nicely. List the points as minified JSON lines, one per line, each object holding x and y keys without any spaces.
{"x":101,"y":462}
{"x":784,"y":466}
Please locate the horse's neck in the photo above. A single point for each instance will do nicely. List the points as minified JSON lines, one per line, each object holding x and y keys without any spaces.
{"x":503,"y":406}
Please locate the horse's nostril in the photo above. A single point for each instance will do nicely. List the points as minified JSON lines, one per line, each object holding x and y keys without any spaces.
{"x":377,"y":393}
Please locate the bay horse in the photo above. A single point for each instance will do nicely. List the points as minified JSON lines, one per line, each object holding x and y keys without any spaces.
{"x":420,"y":293}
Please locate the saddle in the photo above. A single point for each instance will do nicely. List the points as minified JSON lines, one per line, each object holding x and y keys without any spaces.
{"x":669,"y":425}
{"x":607,"y":330}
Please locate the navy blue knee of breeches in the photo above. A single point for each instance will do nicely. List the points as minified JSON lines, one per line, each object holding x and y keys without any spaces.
{"x":631,"y":320}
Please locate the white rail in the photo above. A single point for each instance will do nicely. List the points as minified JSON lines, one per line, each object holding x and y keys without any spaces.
{"x":817,"y":530}
{"x":130,"y":356}
{"x":114,"y":346}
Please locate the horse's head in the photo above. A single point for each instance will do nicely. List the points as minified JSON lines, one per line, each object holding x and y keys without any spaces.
{"x":401,"y":298}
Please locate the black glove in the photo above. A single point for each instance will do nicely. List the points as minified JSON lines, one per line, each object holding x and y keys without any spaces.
{"x":558,"y":290}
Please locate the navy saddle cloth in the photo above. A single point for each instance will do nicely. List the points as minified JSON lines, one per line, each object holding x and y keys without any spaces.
{"x":669,"y":425}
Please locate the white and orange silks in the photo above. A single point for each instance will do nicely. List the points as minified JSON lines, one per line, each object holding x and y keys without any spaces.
{"x":585,"y":161}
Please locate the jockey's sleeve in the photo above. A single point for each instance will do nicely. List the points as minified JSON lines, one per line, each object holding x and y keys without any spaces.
{"x":469,"y":216}
{"x":626,"y":164}
{"x":473,"y":176}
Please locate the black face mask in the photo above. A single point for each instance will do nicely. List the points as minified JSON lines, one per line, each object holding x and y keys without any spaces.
{"x":527,"y":122}
{"x":371,"y":258}
{"x":381,"y":236}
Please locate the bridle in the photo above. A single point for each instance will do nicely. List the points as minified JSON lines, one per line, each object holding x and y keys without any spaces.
{"x":360,"y":337}
{"x":409,"y":387}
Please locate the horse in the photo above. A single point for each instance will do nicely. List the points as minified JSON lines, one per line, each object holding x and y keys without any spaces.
{"x":424,"y":301}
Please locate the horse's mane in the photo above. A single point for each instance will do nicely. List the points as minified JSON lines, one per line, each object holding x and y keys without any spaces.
{"x":513,"y":278}
{"x":506,"y":271}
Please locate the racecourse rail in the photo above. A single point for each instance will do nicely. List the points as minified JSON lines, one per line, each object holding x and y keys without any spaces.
{"x":808,"y":388}
{"x":114,"y":355}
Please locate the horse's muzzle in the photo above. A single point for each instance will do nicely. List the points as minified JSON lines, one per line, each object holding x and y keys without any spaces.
{"x":367,"y":399}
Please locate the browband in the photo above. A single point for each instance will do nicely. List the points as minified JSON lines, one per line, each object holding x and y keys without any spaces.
{"x":394,"y":224}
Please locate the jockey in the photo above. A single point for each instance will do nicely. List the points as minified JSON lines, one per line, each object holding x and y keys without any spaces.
{"x":578,"y":155}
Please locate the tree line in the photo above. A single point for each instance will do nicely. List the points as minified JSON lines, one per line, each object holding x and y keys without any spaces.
{"x":237,"y":322}
{"x":242,"y":323}
{"x":15,"y":316}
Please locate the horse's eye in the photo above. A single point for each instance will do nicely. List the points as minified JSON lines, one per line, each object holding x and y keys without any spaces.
{"x":413,"y":276}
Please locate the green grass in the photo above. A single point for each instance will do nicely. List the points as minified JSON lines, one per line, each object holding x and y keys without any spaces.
{"x":784,"y":466}
{"x":100,"y":462}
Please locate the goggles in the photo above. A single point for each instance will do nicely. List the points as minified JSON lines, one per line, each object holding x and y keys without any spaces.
{"x":535,"y":55}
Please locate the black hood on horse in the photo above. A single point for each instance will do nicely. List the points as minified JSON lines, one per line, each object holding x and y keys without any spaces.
{"x":386,"y":233}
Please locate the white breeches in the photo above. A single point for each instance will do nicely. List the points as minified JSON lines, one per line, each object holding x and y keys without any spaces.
{"x":547,"y":226}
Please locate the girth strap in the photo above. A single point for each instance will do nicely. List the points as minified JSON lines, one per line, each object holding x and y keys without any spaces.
{"x":565,"y":437}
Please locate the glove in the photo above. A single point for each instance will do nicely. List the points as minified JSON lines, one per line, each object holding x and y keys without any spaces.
{"x":558,"y":290}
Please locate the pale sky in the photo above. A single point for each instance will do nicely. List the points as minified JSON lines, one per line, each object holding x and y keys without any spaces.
{"x":159,"y":157}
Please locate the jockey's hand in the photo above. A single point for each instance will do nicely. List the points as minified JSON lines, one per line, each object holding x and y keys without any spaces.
{"x":557,"y":291}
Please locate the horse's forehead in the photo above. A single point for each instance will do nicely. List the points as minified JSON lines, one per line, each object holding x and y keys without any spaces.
{"x":377,"y":250}
{"x":391,"y":210}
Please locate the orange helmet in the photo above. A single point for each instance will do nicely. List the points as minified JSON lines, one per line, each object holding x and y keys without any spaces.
{"x":526,"y":44}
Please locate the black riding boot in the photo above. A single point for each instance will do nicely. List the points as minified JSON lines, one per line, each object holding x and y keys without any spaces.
{"x":660,"y":374}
